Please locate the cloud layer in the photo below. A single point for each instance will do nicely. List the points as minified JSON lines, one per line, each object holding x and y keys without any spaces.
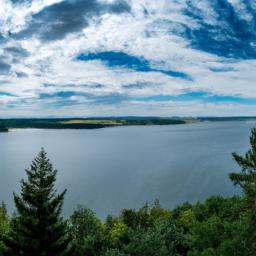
{"x":120,"y":57}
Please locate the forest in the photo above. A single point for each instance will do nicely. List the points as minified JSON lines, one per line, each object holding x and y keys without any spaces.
{"x":217,"y":227}
{"x":103,"y":122}
{"x":84,"y":123}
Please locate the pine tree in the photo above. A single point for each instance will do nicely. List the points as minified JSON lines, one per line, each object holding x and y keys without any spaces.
{"x":246,"y":179}
{"x":37,"y":229}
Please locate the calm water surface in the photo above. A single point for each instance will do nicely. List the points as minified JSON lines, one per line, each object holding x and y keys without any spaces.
{"x":113,"y":168}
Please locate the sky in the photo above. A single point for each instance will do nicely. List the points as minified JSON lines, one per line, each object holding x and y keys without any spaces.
{"x":81,"y":58}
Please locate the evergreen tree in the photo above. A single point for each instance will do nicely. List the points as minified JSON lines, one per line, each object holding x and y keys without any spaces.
{"x":246,"y":179}
{"x":37,"y":229}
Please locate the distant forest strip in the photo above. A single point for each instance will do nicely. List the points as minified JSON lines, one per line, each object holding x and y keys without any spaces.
{"x":78,"y":123}
{"x":102,"y":122}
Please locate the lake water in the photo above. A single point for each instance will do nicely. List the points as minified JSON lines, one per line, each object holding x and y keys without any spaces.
{"x":123,"y":167}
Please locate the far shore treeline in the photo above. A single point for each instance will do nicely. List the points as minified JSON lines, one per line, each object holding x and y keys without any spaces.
{"x":102,"y":122}
{"x":217,"y":227}
{"x":85,"y":123}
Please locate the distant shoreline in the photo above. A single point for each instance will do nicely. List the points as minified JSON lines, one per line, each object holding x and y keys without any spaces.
{"x":82,"y":123}
{"x":97,"y":123}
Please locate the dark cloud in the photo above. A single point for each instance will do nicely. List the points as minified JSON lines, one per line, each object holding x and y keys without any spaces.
{"x":94,"y":85}
{"x":58,"y":20}
{"x":3,"y":81}
{"x":60,"y":94}
{"x":21,"y":74}
{"x":224,"y":69}
{"x":2,"y":39}
{"x":139,"y":85}
{"x":89,"y":85}
{"x":17,"y":51}
{"x":134,"y":86}
{"x":4,"y":68}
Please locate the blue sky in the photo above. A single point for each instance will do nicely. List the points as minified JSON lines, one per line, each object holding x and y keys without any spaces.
{"x":127,"y":57}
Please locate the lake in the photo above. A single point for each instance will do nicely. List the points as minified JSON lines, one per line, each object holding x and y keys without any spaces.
{"x":123,"y":167}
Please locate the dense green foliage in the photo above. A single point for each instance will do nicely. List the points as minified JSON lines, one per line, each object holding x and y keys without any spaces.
{"x":4,"y":225}
{"x":217,"y":227}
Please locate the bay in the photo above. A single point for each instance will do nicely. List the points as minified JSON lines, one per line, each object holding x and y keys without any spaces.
{"x":123,"y":167}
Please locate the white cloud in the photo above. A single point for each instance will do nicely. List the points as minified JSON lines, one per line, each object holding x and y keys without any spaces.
{"x":145,"y":32}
